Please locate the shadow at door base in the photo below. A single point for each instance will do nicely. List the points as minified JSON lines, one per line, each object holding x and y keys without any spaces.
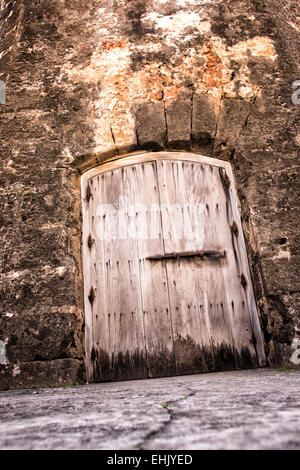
{"x":193,"y":360}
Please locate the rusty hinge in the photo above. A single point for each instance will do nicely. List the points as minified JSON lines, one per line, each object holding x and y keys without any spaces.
{"x":189,"y":254}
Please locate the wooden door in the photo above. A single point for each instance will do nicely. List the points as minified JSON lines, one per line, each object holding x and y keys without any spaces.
{"x":166,"y":277}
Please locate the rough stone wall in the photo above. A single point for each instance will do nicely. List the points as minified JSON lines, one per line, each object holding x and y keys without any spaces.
{"x":87,"y":80}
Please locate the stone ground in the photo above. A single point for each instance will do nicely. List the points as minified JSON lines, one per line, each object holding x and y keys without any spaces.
{"x":254,"y":409}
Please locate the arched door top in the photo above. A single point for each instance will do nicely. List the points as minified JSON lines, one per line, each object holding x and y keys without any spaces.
{"x":135,"y":159}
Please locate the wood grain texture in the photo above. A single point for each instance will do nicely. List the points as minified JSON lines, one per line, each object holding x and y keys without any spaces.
{"x":180,"y":234}
{"x":154,"y":282}
{"x":157,"y":302}
{"x":118,"y":322}
{"x":86,"y":263}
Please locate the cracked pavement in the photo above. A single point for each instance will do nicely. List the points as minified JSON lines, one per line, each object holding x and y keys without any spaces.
{"x":252,"y":409}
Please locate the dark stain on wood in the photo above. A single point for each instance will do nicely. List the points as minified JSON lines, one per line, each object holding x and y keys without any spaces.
{"x":234,"y":229}
{"x":88,"y":193}
{"x":225,"y":181}
{"x":93,"y":354}
{"x":90,"y":241}
{"x":161,"y":364}
{"x":189,"y":356}
{"x":211,"y":255}
{"x":193,"y":360}
{"x":246,"y":360}
{"x":244,"y":281}
{"x":116,"y":367}
{"x":253,"y":339}
{"x":236,"y":259}
{"x":224,"y":357}
{"x":101,"y":366}
{"x":91,"y":296}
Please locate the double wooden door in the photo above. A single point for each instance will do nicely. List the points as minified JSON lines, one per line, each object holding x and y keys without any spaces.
{"x":167,"y":284}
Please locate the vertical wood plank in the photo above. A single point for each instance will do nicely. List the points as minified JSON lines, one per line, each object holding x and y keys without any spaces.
{"x":218,"y":341}
{"x":226,"y":293}
{"x":86,"y":209}
{"x":118,"y":324}
{"x":241,"y":259}
{"x":213,"y":303}
{"x":154,"y":285}
{"x":177,"y":200}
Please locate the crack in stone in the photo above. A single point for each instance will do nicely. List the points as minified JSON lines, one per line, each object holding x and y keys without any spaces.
{"x":217,"y":127}
{"x":152,"y":434}
{"x":166,"y":121}
{"x":252,"y":102}
{"x":191,"y":127}
{"x":114,"y":141}
{"x":137,"y":139}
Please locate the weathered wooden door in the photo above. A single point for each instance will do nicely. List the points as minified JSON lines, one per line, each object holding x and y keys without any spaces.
{"x":166,"y":277}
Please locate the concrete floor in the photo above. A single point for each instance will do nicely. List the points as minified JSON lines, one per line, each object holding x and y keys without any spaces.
{"x":254,"y":409}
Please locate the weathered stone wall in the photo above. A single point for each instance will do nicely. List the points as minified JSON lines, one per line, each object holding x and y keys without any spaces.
{"x":90,"y":79}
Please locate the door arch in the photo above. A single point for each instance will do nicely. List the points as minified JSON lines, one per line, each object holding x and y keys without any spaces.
{"x":167,"y":287}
